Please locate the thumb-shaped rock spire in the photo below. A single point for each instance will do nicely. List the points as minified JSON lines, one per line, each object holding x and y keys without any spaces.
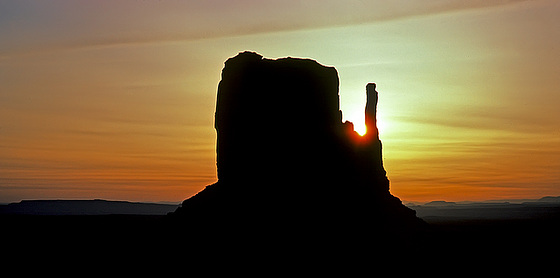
{"x":371,"y":111}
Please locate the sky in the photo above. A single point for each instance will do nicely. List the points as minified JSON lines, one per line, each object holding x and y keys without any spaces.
{"x":115,"y":99}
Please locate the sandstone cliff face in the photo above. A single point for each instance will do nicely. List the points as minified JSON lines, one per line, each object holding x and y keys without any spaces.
{"x":285,"y":156}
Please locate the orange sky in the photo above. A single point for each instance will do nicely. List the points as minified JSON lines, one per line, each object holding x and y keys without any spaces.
{"x":116,"y":100}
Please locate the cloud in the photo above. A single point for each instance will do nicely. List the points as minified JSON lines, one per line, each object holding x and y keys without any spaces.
{"x":487,"y":118}
{"x":33,"y":26}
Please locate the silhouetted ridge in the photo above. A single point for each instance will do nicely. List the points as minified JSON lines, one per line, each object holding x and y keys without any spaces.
{"x":84,"y":207}
{"x":285,"y":156}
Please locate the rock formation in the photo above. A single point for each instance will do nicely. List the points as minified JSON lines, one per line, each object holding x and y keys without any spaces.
{"x":285,"y":157}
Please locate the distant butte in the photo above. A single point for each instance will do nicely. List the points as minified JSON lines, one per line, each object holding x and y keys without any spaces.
{"x":285,"y":157}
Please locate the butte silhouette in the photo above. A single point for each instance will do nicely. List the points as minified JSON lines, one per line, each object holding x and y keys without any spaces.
{"x":285,"y":158}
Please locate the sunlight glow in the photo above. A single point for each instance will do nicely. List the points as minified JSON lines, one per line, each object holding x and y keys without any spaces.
{"x":360,"y":128}
{"x":381,"y":126}
{"x":357,"y":117}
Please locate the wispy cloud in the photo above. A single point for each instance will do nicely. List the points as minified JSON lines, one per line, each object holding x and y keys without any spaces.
{"x":30,"y":27}
{"x":486,"y":118}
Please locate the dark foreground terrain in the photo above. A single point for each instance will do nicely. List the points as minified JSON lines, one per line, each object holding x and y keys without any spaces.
{"x":488,"y":229}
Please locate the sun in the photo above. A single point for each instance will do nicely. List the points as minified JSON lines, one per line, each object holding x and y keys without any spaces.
{"x":353,"y":110}
{"x":357,"y":117}
{"x":360,"y":128}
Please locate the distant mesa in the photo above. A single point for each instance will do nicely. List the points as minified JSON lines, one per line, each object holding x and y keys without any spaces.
{"x":84,"y":207}
{"x":550,"y":199}
{"x":284,"y":155}
{"x":439,"y":203}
